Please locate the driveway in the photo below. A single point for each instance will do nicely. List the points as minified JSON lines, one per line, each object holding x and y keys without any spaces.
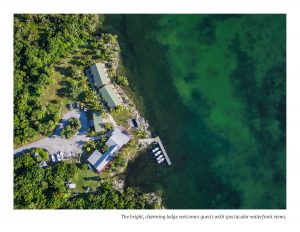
{"x":55,"y":143}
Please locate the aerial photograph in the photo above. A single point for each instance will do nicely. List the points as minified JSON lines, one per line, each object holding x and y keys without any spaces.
{"x":149,"y":111}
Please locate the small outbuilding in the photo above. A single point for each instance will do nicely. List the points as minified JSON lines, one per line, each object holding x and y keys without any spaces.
{"x":71,"y":185}
{"x":98,"y":122}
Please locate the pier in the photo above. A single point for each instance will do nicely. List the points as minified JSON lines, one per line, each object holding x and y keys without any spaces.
{"x":157,"y":139}
{"x":153,"y":140}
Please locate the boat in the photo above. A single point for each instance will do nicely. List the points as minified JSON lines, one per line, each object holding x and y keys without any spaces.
{"x":161,"y":160}
{"x":157,"y":153}
{"x":155,"y":149}
{"x":159,"y":157}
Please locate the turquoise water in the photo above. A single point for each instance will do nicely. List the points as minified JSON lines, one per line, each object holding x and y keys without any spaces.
{"x":213,"y":88}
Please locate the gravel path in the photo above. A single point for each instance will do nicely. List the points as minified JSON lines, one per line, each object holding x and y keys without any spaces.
{"x":55,"y":143}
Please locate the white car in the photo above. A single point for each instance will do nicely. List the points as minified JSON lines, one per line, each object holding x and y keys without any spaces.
{"x":155,"y":149}
{"x":58,"y":157}
{"x":159,"y":157}
{"x":157,"y":153}
{"x":53,"y":158}
{"x":161,"y":160}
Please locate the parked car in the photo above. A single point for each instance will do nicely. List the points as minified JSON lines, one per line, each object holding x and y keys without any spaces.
{"x":58,"y":157}
{"x":53,"y":158}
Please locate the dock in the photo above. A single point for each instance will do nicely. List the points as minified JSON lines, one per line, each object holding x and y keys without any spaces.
{"x":157,"y":139}
{"x":153,"y":140}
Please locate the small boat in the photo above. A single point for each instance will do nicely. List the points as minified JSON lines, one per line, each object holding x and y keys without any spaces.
{"x":159,"y":157}
{"x":161,"y":160}
{"x":155,"y":149}
{"x":157,"y":153}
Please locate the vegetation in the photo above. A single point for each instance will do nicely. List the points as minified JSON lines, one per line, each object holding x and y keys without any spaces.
{"x":39,"y":42}
{"x":108,"y":126}
{"x":86,"y":179}
{"x":91,"y":145}
{"x":38,"y":188}
{"x":108,"y":198}
{"x":122,"y":80}
{"x":141,"y":134}
{"x":40,"y":152}
{"x":121,"y":115}
{"x":71,"y":128}
{"x":108,"y":51}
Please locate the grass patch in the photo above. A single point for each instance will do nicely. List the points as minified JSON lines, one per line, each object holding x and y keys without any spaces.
{"x":84,"y":179}
{"x":50,"y":93}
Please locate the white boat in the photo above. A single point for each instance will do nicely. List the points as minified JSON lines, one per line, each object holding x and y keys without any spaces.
{"x":155,"y":149}
{"x":157,"y":153}
{"x":161,"y":160}
{"x":159,"y":157}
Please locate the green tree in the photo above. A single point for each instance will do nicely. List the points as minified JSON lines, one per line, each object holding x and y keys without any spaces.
{"x":122,"y":80}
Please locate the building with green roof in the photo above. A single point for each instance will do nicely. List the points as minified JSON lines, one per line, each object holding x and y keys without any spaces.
{"x":98,"y":122}
{"x":99,"y":74}
{"x":110,"y":96}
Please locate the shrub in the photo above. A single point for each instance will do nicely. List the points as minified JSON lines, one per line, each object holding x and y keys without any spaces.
{"x":71,"y":128}
{"x":122,"y":80}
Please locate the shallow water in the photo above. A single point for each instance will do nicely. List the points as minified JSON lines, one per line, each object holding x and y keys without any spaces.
{"x":213,"y":88}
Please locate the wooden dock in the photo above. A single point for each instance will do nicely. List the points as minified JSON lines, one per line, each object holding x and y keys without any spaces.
{"x":157,"y":139}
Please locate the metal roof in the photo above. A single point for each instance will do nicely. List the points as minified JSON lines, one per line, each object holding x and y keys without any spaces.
{"x":98,"y":122}
{"x":110,"y":96}
{"x":99,"y":162}
{"x":99,"y":74}
{"x":119,"y":137}
{"x":94,"y":157}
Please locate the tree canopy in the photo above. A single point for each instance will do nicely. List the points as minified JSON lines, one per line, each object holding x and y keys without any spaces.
{"x":46,"y":188}
{"x":40,"y":41}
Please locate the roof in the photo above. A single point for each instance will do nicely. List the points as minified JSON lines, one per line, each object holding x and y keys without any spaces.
{"x":98,"y":122}
{"x":72,"y":185}
{"x":99,"y":162}
{"x":94,"y":157}
{"x":110,"y":96}
{"x":99,"y":74}
{"x":119,"y":137}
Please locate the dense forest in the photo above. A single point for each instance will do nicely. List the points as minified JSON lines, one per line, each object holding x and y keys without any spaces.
{"x":39,"y":42}
{"x":47,"y":188}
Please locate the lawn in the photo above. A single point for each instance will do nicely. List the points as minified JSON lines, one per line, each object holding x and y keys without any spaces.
{"x":84,"y":179}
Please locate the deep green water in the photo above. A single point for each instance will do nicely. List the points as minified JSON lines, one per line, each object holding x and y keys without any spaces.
{"x":213,"y":88}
